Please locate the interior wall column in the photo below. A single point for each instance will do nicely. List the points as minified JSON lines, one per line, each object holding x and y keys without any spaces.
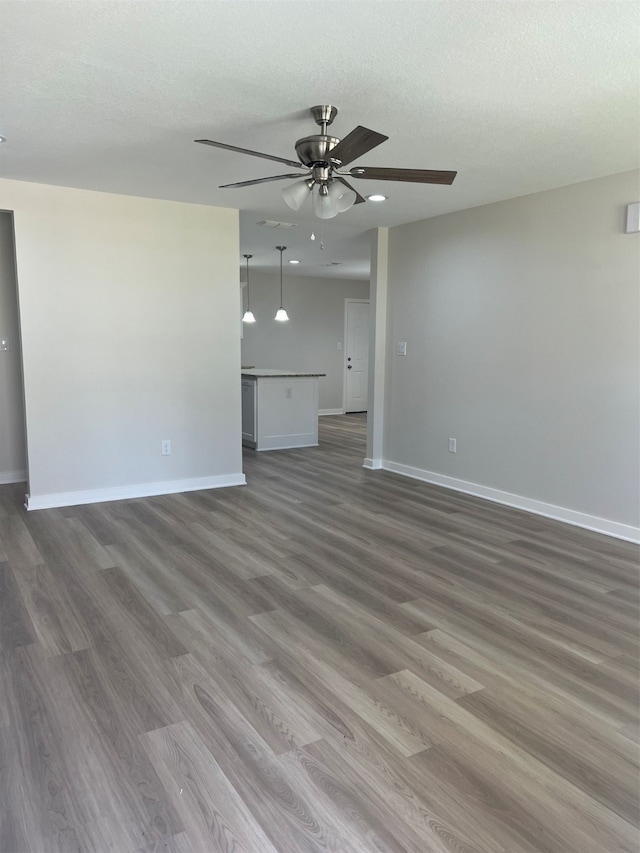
{"x":377,"y":346}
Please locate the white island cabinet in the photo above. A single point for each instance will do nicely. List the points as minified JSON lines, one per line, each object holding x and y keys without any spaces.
{"x":279,"y":409}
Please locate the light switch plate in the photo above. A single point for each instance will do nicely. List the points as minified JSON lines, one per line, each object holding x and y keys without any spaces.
{"x":633,"y":218}
{"x":401,"y":347}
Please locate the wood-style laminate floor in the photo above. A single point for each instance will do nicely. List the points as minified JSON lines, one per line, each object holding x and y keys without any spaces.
{"x":327,"y":659}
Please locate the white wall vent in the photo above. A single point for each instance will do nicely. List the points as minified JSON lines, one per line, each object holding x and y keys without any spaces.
{"x":271,"y":223}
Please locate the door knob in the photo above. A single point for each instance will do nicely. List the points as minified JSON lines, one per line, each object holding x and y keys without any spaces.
{"x":349,"y":366}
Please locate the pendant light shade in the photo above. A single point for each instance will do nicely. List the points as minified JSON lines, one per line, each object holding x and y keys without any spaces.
{"x":281,"y":314}
{"x":341,"y":196}
{"x":296,"y":194}
{"x":324,"y":205}
{"x":248,"y":317}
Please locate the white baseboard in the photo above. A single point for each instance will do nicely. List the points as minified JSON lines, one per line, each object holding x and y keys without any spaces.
{"x":331,"y":412}
{"x":559,"y":513}
{"x":143,"y":490}
{"x":289,"y":441}
{"x":12,"y":477}
{"x":372,"y":464}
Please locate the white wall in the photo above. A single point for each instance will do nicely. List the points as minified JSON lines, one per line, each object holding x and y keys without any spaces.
{"x":12,"y":444}
{"x":521,"y":320}
{"x":309,"y":340}
{"x":129,"y":316}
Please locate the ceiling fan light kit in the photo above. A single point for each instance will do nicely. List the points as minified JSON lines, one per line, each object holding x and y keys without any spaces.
{"x":323,"y":157}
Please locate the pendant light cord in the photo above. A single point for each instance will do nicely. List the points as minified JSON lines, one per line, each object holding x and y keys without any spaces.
{"x":281,"y":314}
{"x":246,"y":257}
{"x":281,"y":249}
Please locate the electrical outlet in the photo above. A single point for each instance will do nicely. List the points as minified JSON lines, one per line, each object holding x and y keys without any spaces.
{"x":339,"y":345}
{"x":452,"y":445}
{"x":4,"y":344}
{"x":166,"y":447}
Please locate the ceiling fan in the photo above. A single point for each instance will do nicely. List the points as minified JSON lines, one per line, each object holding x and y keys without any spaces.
{"x":322,"y":157}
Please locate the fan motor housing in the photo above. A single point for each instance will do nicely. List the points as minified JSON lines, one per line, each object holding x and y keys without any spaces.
{"x":314,"y":150}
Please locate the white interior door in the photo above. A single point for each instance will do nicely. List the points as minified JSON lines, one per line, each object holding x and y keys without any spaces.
{"x":356,"y":353}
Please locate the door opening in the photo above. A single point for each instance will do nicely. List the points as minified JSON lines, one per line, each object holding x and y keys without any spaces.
{"x":356,"y":353}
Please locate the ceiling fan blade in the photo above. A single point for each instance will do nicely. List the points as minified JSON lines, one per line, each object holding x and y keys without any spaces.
{"x":259,"y":181}
{"x":355,"y":144}
{"x":359,"y":198}
{"x":419,"y":176}
{"x":248,"y":151}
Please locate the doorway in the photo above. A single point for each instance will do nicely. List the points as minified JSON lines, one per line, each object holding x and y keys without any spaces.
{"x":356,"y":351}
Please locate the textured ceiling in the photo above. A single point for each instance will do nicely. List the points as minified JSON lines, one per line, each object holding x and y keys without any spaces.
{"x":517,"y":96}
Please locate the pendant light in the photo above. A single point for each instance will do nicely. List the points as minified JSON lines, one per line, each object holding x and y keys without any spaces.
{"x":248,"y":317}
{"x":281,"y":314}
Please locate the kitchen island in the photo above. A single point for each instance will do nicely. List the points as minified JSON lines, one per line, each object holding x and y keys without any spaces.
{"x":279,"y":408}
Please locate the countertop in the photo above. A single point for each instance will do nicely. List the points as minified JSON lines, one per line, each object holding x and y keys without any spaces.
{"x":261,"y":373}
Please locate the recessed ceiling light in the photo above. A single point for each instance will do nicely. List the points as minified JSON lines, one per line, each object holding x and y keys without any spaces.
{"x":377,"y":197}
{"x":292,"y":261}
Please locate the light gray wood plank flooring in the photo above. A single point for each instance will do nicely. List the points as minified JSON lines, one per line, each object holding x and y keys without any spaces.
{"x":328,"y":659}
